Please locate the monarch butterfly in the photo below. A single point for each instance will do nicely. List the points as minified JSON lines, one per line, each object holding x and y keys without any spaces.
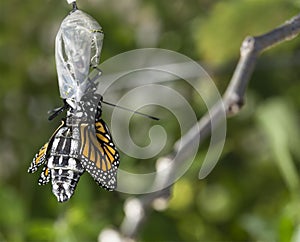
{"x":78,"y":145}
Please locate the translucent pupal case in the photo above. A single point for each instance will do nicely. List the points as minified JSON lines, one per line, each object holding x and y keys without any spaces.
{"x":77,"y":48}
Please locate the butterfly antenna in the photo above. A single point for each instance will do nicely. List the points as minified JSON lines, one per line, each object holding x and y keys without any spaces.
{"x":130,"y":110}
{"x":57,"y":111}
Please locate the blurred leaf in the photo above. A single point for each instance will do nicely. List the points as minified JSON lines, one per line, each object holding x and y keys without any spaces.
{"x":258,"y":228}
{"x":220,"y":36}
{"x":277,"y":120}
{"x":179,"y":202}
{"x":12,"y":214}
{"x":286,"y":229}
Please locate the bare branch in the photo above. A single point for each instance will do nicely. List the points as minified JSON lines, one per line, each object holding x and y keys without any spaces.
{"x":249,"y":52}
{"x":233,"y":100}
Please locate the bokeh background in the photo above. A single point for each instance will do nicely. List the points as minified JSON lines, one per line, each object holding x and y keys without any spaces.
{"x":253,"y":192}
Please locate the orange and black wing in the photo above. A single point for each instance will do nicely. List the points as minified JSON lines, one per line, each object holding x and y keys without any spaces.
{"x":99,"y":155}
{"x":45,"y":176}
{"x":41,"y":157}
{"x":38,"y":159}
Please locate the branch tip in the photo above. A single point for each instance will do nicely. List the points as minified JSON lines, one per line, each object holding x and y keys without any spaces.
{"x":248,"y":45}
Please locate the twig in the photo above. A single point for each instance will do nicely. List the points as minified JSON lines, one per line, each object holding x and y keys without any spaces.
{"x":250,"y":50}
{"x":136,"y":209}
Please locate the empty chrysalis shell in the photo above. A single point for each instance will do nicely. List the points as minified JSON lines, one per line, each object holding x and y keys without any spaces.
{"x":77,"y":47}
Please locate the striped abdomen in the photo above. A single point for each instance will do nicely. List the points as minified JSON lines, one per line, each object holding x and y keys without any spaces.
{"x":78,"y":145}
{"x":64,"y":167}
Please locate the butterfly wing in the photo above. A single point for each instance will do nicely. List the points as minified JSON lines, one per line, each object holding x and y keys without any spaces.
{"x":45,"y":176}
{"x":99,"y":155}
{"x":41,"y":157}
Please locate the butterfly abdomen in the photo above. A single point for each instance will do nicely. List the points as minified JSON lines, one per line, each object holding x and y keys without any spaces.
{"x":63,"y":165}
{"x":65,"y":173}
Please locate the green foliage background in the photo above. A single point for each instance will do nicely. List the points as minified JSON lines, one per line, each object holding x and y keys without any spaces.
{"x":251,"y":195}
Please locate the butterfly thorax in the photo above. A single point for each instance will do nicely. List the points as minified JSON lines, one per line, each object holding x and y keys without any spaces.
{"x":85,"y":110}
